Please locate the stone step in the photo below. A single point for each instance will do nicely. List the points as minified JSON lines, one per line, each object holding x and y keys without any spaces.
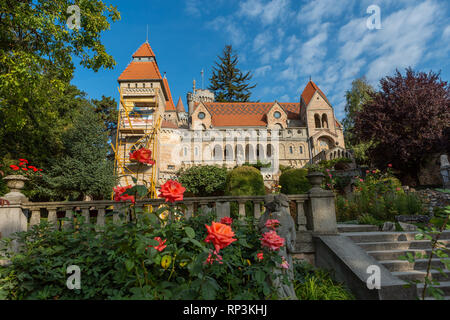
{"x":444,"y":286}
{"x":345,"y":228}
{"x":364,"y":237}
{"x":419,"y":265}
{"x":399,"y":245}
{"x":381,"y":255}
{"x":413,"y":275}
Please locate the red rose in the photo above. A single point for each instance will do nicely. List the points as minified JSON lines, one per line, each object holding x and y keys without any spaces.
{"x":220,"y":235}
{"x":227,"y":221}
{"x":14,"y":167}
{"x":390,"y":165}
{"x":143,"y":156}
{"x":24,"y":169}
{"x":23,"y":160}
{"x":272,"y":241}
{"x":260,"y":256}
{"x":160,"y":247}
{"x":272,"y":224}
{"x":119,"y":196}
{"x":172,"y":191}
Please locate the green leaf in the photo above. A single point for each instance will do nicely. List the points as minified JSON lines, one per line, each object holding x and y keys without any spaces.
{"x":129,"y":264}
{"x":190,"y":232}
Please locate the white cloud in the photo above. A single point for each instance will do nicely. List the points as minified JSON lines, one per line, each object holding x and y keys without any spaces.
{"x":262,"y":71}
{"x":267,"y":12}
{"x":192,"y":8}
{"x":234,"y":33}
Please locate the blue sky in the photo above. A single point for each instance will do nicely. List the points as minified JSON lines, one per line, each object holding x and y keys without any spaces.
{"x":283,"y":42}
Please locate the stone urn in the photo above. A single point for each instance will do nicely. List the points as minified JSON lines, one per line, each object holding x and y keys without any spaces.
{"x":15,"y":184}
{"x":316,"y":178}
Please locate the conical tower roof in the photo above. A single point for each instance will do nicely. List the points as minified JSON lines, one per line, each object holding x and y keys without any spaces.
{"x":180,"y":106}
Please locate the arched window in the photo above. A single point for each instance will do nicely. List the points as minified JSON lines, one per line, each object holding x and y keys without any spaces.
{"x":325,"y":121}
{"x":228,"y":153}
{"x":259,"y":152}
{"x":269,"y":150}
{"x":217,"y":152}
{"x":291,"y":150}
{"x":249,"y":156}
{"x":301,"y":150}
{"x":239,"y":152}
{"x":317,"y":120}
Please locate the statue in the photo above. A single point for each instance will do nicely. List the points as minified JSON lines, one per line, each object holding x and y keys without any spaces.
{"x":277,"y":207}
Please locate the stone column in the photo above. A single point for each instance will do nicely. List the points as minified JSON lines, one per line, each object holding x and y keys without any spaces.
{"x":321,"y":213}
{"x":12,"y":218}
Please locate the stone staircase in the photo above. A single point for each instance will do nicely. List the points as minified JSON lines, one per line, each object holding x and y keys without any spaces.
{"x":388,"y":247}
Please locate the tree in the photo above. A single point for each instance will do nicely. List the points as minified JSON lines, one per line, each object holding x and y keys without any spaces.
{"x":84,"y":170}
{"x":106,"y":108}
{"x":357,"y":98}
{"x":408,"y":120}
{"x":228,"y":83}
{"x":36,"y":66}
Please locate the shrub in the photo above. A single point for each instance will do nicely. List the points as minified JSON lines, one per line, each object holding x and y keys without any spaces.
{"x":245,"y":181}
{"x":121,"y":262}
{"x":294,"y":181}
{"x":316,"y":284}
{"x":203,"y":181}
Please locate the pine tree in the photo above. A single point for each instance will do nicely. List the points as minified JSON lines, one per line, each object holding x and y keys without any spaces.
{"x":228,"y":83}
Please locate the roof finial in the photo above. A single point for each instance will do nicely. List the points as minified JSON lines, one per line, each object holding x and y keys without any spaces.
{"x":165,"y":75}
{"x":147,"y":35}
{"x":310,"y":78}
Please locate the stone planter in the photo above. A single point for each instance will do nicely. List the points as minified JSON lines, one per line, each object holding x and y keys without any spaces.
{"x":15,"y":184}
{"x":316,"y":178}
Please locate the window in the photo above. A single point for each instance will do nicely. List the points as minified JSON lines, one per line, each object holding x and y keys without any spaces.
{"x":143,"y":85}
{"x":301,"y":150}
{"x":291,"y":150}
{"x":201,"y":115}
{"x":129,"y":85}
{"x":277,"y":115}
{"x":171,"y":167}
{"x":317,"y":120}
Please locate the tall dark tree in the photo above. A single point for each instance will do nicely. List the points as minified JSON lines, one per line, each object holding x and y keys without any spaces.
{"x":408,"y":119}
{"x":106,"y":108}
{"x":228,"y":83}
{"x":356,"y":98}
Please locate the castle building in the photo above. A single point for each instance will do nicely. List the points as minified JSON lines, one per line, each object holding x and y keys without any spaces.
{"x":212,"y":133}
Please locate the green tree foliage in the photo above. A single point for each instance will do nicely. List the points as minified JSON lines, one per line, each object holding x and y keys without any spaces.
{"x":357,"y":98}
{"x":203,"y":181}
{"x":36,"y":65}
{"x":107,"y":109}
{"x":294,"y":181}
{"x":245,"y":181}
{"x":84,"y":170}
{"x":228,"y":83}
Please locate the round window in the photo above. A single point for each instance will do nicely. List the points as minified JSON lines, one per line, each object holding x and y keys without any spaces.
{"x":201,"y":115}
{"x":277,"y":115}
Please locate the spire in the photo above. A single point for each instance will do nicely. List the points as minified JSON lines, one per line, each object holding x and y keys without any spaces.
{"x":180,"y":106}
{"x":144,"y":51}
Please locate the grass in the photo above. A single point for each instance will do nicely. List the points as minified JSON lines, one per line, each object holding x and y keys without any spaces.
{"x":316,"y":284}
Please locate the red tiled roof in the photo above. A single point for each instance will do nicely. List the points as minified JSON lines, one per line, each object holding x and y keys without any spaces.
{"x":246,"y":114}
{"x":144,"y":51}
{"x":168,"y":124}
{"x":309,"y":91}
{"x":147,"y":70}
{"x":180,"y":106}
{"x":169,"y":101}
